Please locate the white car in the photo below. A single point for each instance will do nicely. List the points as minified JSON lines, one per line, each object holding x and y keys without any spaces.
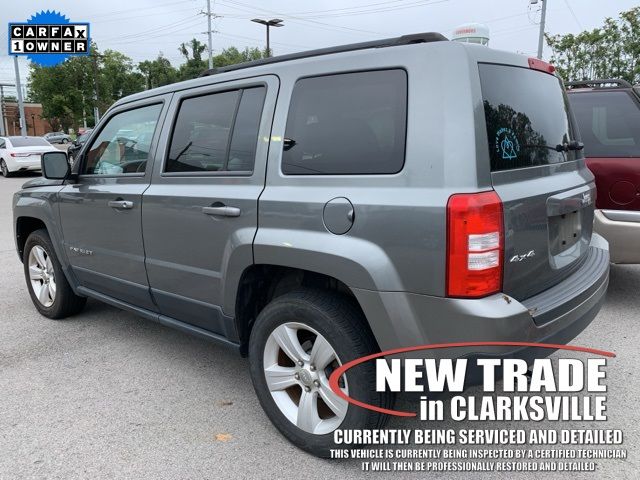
{"x":21,"y":154}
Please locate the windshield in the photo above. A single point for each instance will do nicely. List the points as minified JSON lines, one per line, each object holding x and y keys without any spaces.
{"x":609,"y":123}
{"x":527,"y":117}
{"x":29,"y":142}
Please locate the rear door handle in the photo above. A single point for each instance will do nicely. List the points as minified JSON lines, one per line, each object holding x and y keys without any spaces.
{"x":121,"y":204}
{"x":222,"y":211}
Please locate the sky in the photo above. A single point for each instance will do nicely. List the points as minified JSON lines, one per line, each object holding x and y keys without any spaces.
{"x":142,"y":29}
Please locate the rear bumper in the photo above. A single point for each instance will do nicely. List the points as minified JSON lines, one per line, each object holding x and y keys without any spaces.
{"x":17,"y":165}
{"x":621,"y":228}
{"x":557,"y":315}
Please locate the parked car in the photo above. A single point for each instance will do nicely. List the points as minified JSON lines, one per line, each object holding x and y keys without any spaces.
{"x":77,"y":144}
{"x":21,"y":154}
{"x":608,"y":114}
{"x":57,"y":137}
{"x":318,"y":207}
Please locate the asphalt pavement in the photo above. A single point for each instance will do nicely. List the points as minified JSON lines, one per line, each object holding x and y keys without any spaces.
{"x":106,"y":394}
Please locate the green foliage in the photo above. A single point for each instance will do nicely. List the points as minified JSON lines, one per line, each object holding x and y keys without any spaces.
{"x":611,"y":51}
{"x":158,"y":72}
{"x":67,"y":91}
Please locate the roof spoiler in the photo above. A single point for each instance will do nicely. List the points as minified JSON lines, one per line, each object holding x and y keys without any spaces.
{"x":603,"y":83}
{"x":387,"y":42}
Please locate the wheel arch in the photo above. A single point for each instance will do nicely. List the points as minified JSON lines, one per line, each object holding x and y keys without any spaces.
{"x":261,"y":283}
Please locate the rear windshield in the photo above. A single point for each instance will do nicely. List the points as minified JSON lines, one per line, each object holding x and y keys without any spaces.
{"x":526,"y":112}
{"x":29,"y":142}
{"x":609,"y":123}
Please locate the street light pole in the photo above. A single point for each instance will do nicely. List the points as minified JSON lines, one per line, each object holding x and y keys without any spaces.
{"x":23,"y":120}
{"x":543,"y":19}
{"x":274,"y":22}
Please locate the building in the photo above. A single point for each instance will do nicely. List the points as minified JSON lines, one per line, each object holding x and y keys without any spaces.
{"x":36,"y":125}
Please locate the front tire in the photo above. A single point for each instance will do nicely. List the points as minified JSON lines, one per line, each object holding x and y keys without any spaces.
{"x":48,"y":287}
{"x":297,"y":341}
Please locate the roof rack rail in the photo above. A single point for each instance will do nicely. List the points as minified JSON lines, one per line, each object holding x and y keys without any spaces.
{"x":603,"y":83}
{"x":387,"y":42}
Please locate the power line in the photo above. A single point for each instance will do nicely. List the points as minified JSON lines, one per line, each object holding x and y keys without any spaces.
{"x":292,"y":19}
{"x":573,"y":14}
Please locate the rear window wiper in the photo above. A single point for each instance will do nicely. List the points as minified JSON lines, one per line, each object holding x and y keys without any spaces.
{"x":561,"y":147}
{"x":572,"y":145}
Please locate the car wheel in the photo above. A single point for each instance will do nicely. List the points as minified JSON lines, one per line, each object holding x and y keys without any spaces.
{"x":297,"y":341}
{"x":65,"y":140}
{"x":50,"y":292}
{"x":4,"y":169}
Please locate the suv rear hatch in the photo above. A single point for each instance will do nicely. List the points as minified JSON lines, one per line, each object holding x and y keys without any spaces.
{"x":548,"y":194}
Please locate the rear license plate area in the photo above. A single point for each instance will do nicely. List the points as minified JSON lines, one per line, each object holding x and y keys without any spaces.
{"x":564,"y":231}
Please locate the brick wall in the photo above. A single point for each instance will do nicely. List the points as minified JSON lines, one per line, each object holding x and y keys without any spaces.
{"x":36,"y":126}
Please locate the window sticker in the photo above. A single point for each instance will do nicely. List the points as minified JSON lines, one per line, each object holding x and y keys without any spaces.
{"x":507,"y":144}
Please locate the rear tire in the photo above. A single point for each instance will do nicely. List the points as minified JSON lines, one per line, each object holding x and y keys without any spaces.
{"x":4,"y":169}
{"x":50,"y":292}
{"x":317,"y":323}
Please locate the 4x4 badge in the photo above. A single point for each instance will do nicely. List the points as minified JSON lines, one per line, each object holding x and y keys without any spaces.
{"x":524,"y":256}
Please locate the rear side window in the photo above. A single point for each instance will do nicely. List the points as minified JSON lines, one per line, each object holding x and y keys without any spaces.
{"x":527,"y":117}
{"x":217,"y":132}
{"x":352,"y":123}
{"x":609,"y":123}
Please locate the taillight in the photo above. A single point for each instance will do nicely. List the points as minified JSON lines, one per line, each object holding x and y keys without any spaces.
{"x":19,"y":154}
{"x":475,"y":244}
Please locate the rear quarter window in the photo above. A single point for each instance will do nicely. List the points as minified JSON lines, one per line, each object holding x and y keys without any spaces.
{"x":347,"y":124}
{"x":527,"y":116}
{"x":609,"y":123}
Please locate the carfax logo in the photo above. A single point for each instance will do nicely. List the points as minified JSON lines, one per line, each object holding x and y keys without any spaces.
{"x":507,"y":144}
{"x":48,"y":38}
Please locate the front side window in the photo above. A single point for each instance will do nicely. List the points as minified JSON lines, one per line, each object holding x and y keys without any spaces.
{"x":347,"y":124}
{"x":216,"y":132}
{"x":123,"y":144}
{"x":609,"y":123}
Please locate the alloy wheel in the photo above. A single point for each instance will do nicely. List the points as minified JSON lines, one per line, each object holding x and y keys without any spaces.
{"x":298,"y":362}
{"x":42,"y":276}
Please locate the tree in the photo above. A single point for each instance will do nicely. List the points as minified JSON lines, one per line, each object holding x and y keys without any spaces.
{"x":117,"y":77}
{"x":158,"y":72}
{"x":194,"y":64}
{"x":611,"y":51}
{"x":67,"y":91}
{"x":232,"y":56}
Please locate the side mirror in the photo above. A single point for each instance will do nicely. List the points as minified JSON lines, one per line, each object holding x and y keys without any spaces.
{"x":55,"y":166}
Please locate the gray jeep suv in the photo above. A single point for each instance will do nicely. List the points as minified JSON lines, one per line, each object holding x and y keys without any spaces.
{"x":315,"y":208}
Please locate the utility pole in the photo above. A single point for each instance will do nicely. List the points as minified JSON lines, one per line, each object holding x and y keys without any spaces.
{"x":209,"y":34}
{"x":274,"y":22}
{"x":210,"y":16}
{"x":23,"y":120}
{"x":542,"y":23}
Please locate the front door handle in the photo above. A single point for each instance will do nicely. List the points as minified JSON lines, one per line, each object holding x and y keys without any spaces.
{"x":121,"y":204}
{"x":223,"y":211}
